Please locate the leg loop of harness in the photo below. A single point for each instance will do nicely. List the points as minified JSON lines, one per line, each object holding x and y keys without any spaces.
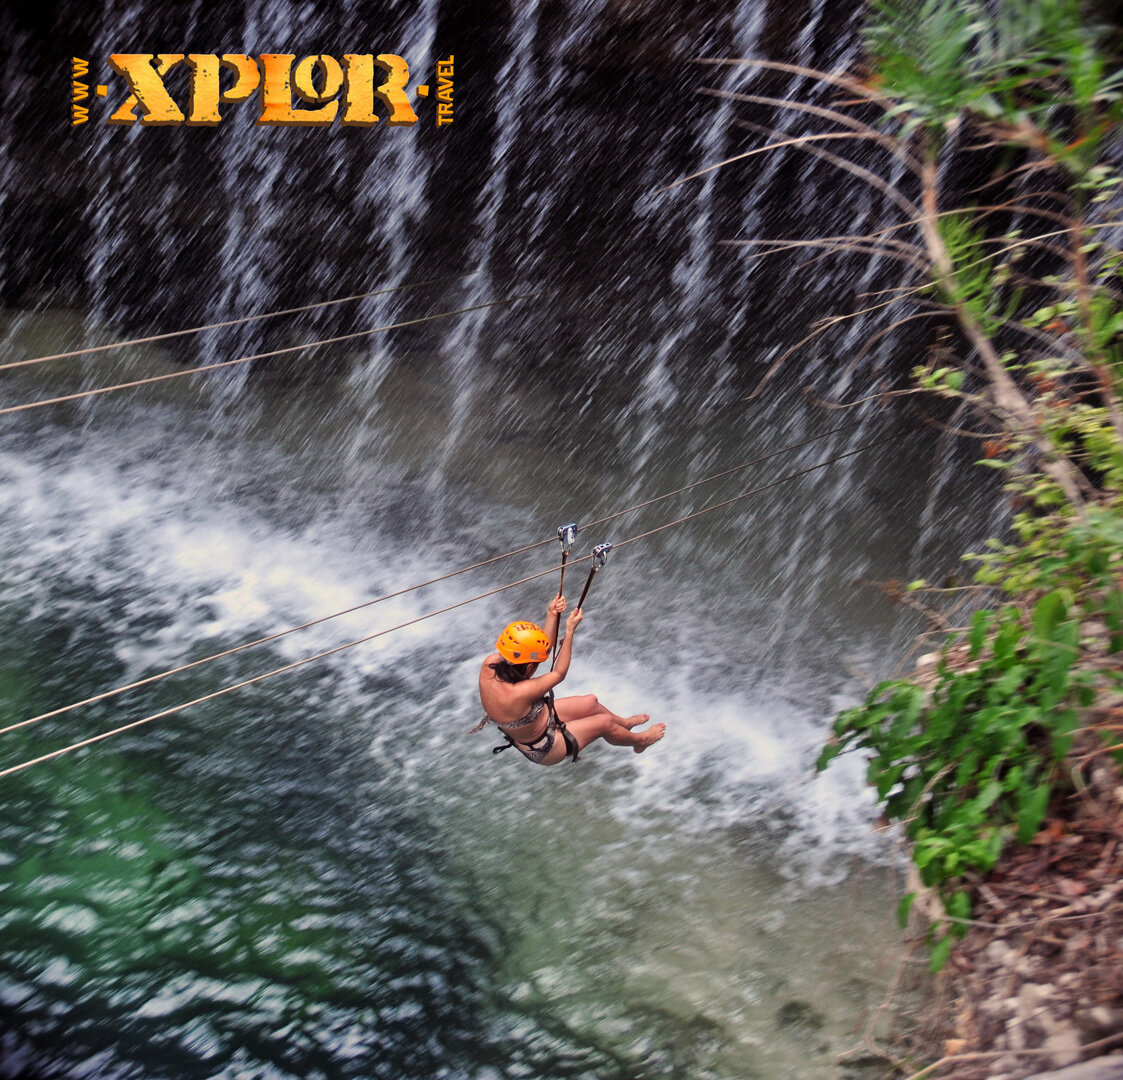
{"x":572,"y":748}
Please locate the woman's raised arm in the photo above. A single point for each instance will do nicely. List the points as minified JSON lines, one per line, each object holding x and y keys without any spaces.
{"x":555,"y":607}
{"x":542,"y":684}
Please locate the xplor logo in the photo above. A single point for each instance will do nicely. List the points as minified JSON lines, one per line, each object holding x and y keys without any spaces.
{"x":311,"y":92}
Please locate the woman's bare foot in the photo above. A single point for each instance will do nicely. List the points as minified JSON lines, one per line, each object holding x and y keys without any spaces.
{"x":634,"y":721}
{"x":652,"y":735}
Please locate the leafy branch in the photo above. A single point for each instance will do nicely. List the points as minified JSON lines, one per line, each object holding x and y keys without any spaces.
{"x":972,"y":756}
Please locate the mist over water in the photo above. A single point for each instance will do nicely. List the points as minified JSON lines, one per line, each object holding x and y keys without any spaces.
{"x":324,"y":874}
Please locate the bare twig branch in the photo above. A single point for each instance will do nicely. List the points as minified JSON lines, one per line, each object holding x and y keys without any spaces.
{"x":846,"y":82}
{"x":949,"y":429}
{"x":987,"y":1055}
{"x":881,"y":395}
{"x":834,"y":245}
{"x":890,"y":191}
{"x":870,"y":342}
{"x":800,"y":141}
{"x":892,"y":145}
{"x":826,"y":325}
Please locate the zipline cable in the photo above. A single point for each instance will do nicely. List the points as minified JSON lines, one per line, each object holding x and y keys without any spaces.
{"x":413,"y":588}
{"x":264,"y":355}
{"x":440,"y":611}
{"x":261,"y":641}
{"x":600,"y":553}
{"x":727,"y":472}
{"x":766,"y":487}
{"x":230,"y":322}
{"x":265,"y":675}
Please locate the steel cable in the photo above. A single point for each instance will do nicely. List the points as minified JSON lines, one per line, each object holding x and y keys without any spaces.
{"x":229,"y":322}
{"x":440,"y":611}
{"x":412,"y":588}
{"x":260,"y":356}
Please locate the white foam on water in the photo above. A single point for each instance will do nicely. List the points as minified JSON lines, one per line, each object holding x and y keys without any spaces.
{"x":217,"y":571}
{"x":739,"y":751}
{"x":740,"y":756}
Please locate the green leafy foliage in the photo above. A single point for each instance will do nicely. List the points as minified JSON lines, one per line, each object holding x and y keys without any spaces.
{"x":973,"y":281}
{"x":924,"y":56}
{"x":956,"y":765}
{"x":1007,"y":62}
{"x":972,"y":761}
{"x":970,"y":758}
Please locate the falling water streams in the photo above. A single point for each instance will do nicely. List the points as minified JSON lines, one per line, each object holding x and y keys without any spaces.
{"x":324,"y":874}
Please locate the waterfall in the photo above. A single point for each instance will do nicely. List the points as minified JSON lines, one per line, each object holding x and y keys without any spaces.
{"x":323,"y":874}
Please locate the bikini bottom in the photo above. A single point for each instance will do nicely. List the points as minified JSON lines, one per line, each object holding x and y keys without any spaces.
{"x":538,"y":750}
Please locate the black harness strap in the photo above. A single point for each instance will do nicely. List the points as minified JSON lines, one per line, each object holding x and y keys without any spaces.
{"x":572,"y":748}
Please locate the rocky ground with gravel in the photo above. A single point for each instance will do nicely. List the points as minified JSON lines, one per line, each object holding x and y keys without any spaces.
{"x":1037,"y":982}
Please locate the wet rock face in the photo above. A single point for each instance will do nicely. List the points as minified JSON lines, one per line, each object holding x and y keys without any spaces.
{"x":1036,"y":984}
{"x":798,"y":1017}
{"x":1051,"y":1018}
{"x":634,"y":36}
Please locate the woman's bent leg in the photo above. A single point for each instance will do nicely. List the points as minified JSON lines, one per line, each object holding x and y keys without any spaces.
{"x":573,"y":708}
{"x":602,"y":725}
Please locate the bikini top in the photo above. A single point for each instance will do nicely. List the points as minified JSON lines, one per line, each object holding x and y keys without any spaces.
{"x":510,"y":725}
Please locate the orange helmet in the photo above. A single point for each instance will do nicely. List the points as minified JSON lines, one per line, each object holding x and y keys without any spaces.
{"x":523,"y":643}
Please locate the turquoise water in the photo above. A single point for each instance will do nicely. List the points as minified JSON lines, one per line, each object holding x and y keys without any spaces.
{"x":324,"y":875}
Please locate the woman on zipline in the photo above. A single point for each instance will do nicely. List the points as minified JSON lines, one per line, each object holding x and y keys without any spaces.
{"x":521,"y":704}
